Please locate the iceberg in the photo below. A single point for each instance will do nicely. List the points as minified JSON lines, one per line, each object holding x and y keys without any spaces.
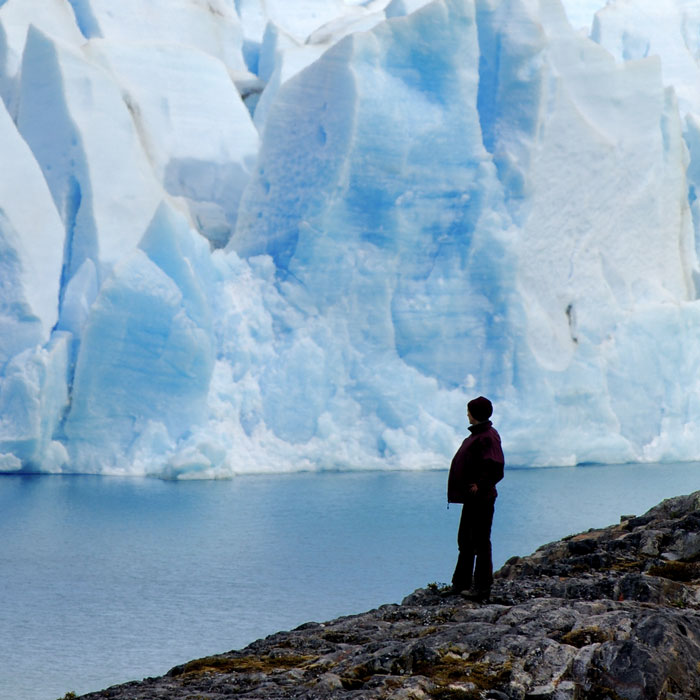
{"x":286,"y":236}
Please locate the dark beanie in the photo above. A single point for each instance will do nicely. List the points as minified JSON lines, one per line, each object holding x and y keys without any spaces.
{"x":480,"y":408}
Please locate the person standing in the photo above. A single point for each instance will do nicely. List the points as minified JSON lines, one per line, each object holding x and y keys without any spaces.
{"x":475,"y":470}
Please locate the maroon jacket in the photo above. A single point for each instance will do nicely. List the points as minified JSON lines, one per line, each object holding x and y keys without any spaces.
{"x":478,"y":461}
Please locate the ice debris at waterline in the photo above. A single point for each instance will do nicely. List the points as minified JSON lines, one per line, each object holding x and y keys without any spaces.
{"x":611,"y":613}
{"x":295,"y":235}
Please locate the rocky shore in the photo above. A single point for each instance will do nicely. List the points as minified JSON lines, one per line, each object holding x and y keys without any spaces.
{"x":610,"y":614}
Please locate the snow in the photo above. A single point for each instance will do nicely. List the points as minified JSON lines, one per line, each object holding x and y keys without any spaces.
{"x":246,"y":236}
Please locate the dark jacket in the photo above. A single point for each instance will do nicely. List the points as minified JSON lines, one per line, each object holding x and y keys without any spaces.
{"x":478,"y":461}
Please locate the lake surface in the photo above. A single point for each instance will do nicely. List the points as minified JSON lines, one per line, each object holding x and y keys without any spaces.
{"x":104,"y":580}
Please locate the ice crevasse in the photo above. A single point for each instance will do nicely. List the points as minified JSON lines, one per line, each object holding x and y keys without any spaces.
{"x":246,"y":236}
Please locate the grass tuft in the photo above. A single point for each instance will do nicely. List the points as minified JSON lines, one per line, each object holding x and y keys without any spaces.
{"x":242,"y":664}
{"x":586,"y":635}
{"x":676,"y":571}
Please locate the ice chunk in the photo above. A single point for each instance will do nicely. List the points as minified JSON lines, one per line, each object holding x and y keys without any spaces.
{"x":53,"y":17}
{"x":359,"y":197}
{"x":667,"y":29}
{"x":31,"y":248}
{"x":33,"y":397}
{"x":73,"y":116}
{"x":303,"y":17}
{"x":253,"y":21}
{"x":336,"y":29}
{"x":193,"y":124}
{"x":346,"y":175}
{"x":9,"y":463}
{"x":581,"y":13}
{"x":212,"y":27}
{"x":147,"y":339}
{"x":274,"y":44}
{"x":253,"y":18}
{"x":283,"y":53}
{"x":692,"y":141}
{"x":184,"y":257}
{"x":400,"y":8}
{"x":589,"y":282}
{"x":78,"y":296}
{"x":33,"y":381}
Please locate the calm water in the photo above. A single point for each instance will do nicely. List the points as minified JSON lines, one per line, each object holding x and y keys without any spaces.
{"x":104,"y":580}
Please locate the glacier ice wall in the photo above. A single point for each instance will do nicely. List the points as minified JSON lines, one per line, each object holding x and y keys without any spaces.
{"x":246,"y":236}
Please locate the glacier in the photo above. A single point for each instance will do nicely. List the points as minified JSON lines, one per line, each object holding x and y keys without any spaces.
{"x":244,"y":236}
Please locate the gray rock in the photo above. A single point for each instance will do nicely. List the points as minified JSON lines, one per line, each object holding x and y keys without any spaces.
{"x":650,"y":543}
{"x":604,"y":614}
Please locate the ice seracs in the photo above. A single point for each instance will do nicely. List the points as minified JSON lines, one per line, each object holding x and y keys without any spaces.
{"x":33,"y":364}
{"x":198,"y":134}
{"x":54,"y":17}
{"x":73,"y":117}
{"x":32,"y":238}
{"x":147,"y":339}
{"x":212,"y":26}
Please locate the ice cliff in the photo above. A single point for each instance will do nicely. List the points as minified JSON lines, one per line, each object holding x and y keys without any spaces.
{"x":265,"y":236}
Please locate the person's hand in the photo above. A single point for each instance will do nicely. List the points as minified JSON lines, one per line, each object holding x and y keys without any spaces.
{"x":473,"y":488}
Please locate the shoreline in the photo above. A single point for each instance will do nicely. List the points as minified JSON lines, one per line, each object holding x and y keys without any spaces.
{"x":612,"y":612}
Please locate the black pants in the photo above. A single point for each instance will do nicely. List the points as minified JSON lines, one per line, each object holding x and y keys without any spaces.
{"x":474,"y":541}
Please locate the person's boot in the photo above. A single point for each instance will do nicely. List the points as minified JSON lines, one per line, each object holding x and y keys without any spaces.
{"x":454,"y":590}
{"x":478,"y":595}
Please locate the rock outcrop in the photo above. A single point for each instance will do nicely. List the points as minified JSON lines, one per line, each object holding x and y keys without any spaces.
{"x":610,"y":614}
